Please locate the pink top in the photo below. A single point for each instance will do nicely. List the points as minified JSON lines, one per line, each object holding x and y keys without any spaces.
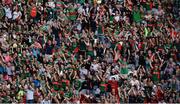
{"x":7,"y":58}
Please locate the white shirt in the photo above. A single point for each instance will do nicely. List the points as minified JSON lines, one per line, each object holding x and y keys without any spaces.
{"x":117,"y":18}
{"x":8,"y":13}
{"x":9,"y":70}
{"x":30,"y":95}
{"x":16,"y":15}
{"x":95,"y":67}
{"x":83,"y":72}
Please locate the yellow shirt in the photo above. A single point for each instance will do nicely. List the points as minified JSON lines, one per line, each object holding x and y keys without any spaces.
{"x":20,"y":94}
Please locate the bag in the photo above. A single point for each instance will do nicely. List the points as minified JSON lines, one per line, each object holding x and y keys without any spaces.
{"x":33,"y":12}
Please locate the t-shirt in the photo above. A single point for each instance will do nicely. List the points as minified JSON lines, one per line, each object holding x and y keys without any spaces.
{"x":36,"y":83}
{"x":8,"y":12}
{"x":55,"y":86}
{"x":9,"y":70}
{"x":124,"y":71}
{"x":30,"y":94}
{"x":136,"y":16}
{"x":100,"y":29}
{"x":20,"y":94}
{"x":155,"y":75}
{"x":111,"y":18}
{"x":95,"y":66}
{"x":2,"y":69}
{"x":72,"y":13}
{"x":83,"y":72}
{"x":16,"y":15}
{"x":103,"y":86}
{"x":77,"y":84}
{"x":114,"y":84}
{"x":65,"y":83}
{"x":7,"y":58}
{"x":74,"y":45}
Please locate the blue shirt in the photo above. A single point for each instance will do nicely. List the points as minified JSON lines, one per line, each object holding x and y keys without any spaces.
{"x":36,"y":83}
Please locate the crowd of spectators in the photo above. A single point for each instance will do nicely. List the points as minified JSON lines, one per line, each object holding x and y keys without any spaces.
{"x":89,"y":51}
